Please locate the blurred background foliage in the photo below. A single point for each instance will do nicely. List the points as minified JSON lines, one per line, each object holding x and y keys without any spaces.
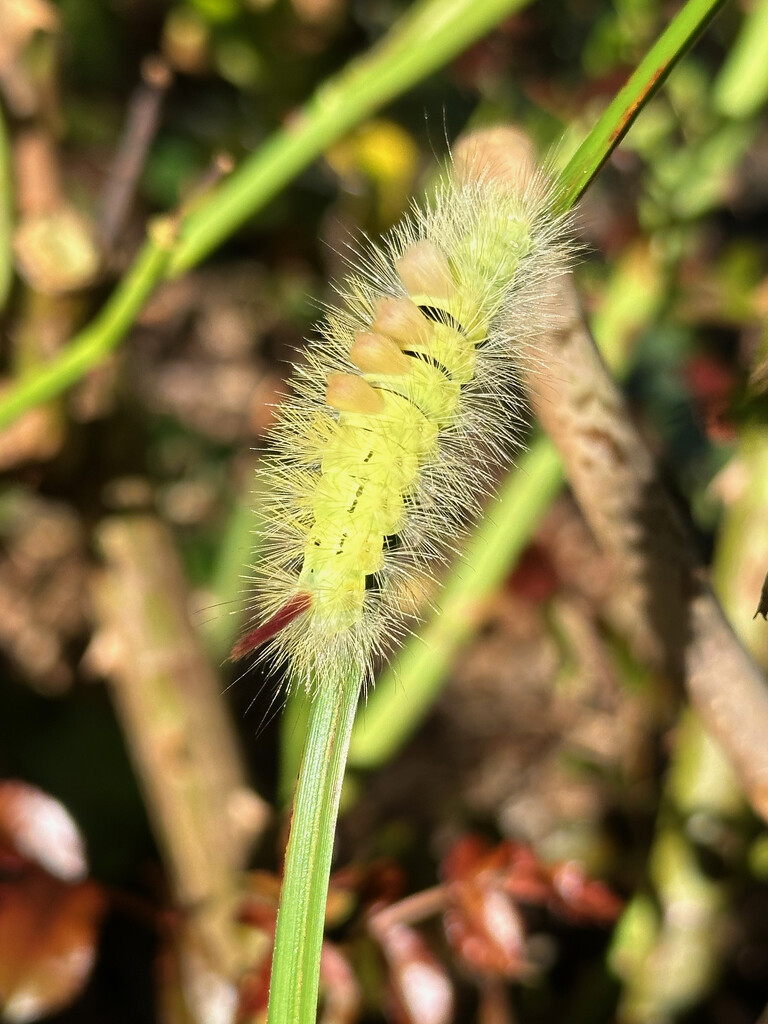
{"x":126,"y":511}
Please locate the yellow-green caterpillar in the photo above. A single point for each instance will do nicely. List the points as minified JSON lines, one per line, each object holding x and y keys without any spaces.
{"x":411,"y":392}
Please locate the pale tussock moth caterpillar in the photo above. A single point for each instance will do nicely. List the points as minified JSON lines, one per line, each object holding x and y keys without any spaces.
{"x":412,"y":390}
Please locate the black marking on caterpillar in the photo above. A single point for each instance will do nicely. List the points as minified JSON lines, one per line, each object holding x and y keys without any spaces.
{"x":438,"y":315}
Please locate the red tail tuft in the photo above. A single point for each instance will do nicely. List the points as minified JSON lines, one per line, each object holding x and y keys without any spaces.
{"x":291,"y":610}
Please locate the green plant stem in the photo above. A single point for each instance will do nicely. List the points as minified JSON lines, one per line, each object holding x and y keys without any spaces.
{"x":621,"y":112}
{"x":393,"y":710}
{"x":101,"y":336}
{"x":429,"y":34}
{"x":293,"y":734}
{"x":741,"y":88}
{"x":301,"y":918}
{"x":426,"y":37}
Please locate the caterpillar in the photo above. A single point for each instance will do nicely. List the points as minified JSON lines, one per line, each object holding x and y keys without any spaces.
{"x":404,"y":404}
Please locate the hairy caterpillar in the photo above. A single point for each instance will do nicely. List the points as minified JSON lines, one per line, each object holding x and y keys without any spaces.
{"x":405,"y":400}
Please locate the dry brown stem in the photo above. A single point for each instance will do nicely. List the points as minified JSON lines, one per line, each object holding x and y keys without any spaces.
{"x":669,"y":613}
{"x":176,"y":726}
{"x":144,"y":113}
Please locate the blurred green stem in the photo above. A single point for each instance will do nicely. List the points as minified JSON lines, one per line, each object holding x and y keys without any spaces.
{"x":621,"y":112}
{"x":301,"y":918}
{"x":741,"y":88}
{"x":94,"y":343}
{"x":393,"y":710}
{"x":430,"y":33}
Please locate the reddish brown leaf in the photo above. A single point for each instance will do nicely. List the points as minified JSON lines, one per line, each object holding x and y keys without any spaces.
{"x":712,"y":385}
{"x":420,"y":990}
{"x":258,"y":914}
{"x":48,"y":924}
{"x":527,"y":879}
{"x":482,"y":923}
{"x":486,"y":930}
{"x":380,"y":882}
{"x":581,"y":899}
{"x":48,"y":933}
{"x":254,"y":992}
{"x":535,"y":577}
{"x":259,"y":910}
{"x":465,"y":858}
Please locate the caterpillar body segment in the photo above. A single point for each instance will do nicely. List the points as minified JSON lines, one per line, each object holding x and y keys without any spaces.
{"x":411,"y":392}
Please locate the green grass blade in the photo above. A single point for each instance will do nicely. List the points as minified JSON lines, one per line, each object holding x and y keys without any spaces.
{"x":742,"y":85}
{"x":94,"y":343}
{"x":427,"y":37}
{"x":393,"y":710}
{"x":621,"y":113}
{"x":301,"y":918}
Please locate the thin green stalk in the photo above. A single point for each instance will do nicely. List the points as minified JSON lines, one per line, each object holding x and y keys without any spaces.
{"x":101,"y":336}
{"x":621,"y":112}
{"x":392,"y":711}
{"x":741,"y":88}
{"x":301,"y":918}
{"x":6,"y":214}
{"x":430,"y":34}
{"x":293,"y":734}
{"x":426,"y":37}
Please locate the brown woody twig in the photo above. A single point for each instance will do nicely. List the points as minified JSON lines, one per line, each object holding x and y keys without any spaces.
{"x":668,"y":610}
